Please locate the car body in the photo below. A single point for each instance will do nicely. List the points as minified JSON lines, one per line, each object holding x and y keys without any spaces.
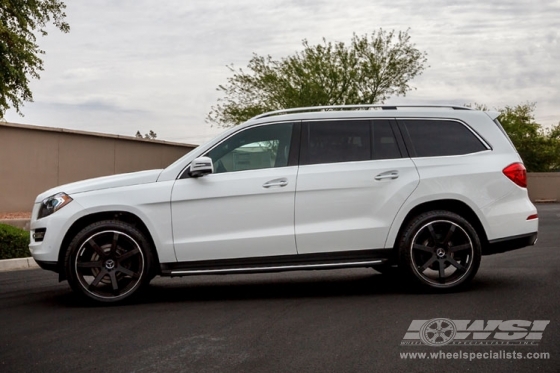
{"x":423,"y":190}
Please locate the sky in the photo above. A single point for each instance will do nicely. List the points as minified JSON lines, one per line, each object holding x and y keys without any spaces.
{"x":155,"y":65}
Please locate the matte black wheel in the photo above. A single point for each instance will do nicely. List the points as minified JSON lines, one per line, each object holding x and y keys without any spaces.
{"x":108,"y":261}
{"x":440,"y":249}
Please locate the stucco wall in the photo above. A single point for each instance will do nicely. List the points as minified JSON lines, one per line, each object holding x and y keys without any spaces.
{"x":34,"y":159}
{"x":544,"y":186}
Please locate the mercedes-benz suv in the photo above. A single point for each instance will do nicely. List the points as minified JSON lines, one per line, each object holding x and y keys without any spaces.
{"x":419,"y":191}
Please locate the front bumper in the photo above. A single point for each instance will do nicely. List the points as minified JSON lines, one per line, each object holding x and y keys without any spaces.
{"x":56,"y":226}
{"x":49,"y":266}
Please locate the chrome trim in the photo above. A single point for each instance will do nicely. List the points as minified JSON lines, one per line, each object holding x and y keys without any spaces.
{"x":266,"y":269}
{"x":363,"y":106}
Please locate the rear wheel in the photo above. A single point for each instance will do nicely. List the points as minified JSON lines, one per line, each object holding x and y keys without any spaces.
{"x":108,"y":261}
{"x":440,"y":249}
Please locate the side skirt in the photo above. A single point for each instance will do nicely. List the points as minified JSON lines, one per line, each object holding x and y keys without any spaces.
{"x":281,"y":263}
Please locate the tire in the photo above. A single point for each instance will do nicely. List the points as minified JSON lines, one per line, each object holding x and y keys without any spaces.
{"x":109,"y":261}
{"x":439,"y":250}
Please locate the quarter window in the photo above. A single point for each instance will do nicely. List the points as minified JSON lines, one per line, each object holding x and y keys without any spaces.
{"x":432,"y":138}
{"x":255,"y":148}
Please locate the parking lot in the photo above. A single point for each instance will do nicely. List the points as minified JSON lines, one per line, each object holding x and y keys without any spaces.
{"x":321,"y":321}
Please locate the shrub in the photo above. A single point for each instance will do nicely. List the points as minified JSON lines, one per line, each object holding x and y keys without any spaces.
{"x":14,"y":242}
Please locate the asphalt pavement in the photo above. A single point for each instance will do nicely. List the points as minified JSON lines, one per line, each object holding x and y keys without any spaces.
{"x":317,"y":321}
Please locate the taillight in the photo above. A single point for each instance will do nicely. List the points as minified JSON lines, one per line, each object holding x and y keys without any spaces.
{"x":517,"y":173}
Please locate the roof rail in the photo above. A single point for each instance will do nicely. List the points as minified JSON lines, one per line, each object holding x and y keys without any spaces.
{"x":364,"y":106}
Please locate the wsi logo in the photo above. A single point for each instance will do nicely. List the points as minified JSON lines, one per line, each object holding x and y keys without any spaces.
{"x":441,"y":331}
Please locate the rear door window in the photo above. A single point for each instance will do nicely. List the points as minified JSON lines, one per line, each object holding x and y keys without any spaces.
{"x":335,"y":141}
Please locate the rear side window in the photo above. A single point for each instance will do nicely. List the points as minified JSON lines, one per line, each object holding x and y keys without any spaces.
{"x":432,"y":138}
{"x":348,"y":141}
{"x":336,"y":141}
{"x":384,"y":142}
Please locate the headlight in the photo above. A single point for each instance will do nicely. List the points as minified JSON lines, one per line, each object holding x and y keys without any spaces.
{"x":53,"y":203}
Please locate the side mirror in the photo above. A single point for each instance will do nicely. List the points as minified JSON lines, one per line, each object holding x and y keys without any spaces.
{"x":201,"y":166}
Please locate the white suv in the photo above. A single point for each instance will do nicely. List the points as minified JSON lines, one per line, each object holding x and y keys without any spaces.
{"x":422,"y":190}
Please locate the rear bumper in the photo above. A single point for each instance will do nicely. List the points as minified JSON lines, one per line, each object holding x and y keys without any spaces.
{"x":502,"y":245}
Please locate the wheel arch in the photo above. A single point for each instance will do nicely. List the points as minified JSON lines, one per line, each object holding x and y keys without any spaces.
{"x":86,"y":220}
{"x":451,"y":205}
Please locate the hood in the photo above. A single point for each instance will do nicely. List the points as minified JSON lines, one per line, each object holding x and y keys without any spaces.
{"x":105,"y":182}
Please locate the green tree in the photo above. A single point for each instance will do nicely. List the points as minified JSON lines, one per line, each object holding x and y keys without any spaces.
{"x":20,"y":21}
{"x":538,"y":147}
{"x":148,"y":136}
{"x":369,"y":70}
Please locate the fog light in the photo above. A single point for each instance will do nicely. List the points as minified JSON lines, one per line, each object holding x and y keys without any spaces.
{"x":39,"y":234}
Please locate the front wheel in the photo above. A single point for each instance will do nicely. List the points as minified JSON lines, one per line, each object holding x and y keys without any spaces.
{"x":108,"y":261}
{"x":440,"y":249}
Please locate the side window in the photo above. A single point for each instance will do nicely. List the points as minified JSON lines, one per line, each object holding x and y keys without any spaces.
{"x":260,"y":147}
{"x":384,"y":142}
{"x":432,"y":138}
{"x":336,"y":141}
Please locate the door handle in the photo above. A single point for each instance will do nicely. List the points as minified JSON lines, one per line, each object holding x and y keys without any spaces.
{"x":282,"y":182}
{"x":388,"y":175}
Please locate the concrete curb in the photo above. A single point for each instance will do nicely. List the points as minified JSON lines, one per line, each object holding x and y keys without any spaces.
{"x":17,"y":264}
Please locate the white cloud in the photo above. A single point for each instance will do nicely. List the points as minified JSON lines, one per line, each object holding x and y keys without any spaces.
{"x":141,"y":65}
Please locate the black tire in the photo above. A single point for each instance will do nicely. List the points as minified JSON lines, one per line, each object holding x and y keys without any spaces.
{"x":109,"y":261}
{"x":439,"y":250}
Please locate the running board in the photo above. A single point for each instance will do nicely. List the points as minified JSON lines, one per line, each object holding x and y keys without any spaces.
{"x":279,"y":263}
{"x":299,"y":267}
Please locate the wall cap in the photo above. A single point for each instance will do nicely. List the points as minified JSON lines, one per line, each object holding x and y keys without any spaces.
{"x":94,"y":134}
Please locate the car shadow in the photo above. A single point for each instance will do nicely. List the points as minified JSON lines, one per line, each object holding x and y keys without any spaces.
{"x":279,"y":286}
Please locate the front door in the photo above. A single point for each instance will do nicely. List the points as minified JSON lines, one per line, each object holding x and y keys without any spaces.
{"x":246,"y":207}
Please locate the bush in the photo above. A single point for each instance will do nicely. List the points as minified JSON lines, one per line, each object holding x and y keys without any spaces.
{"x":14,"y":242}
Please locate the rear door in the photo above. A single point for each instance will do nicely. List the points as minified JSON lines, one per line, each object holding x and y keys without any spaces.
{"x":354,"y":175}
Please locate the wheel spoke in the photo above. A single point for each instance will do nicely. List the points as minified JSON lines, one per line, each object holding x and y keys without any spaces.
{"x":114,"y":243}
{"x":128,"y":254}
{"x":99,"y":277}
{"x":97,"y":264}
{"x":455,"y":264}
{"x":441,"y":270}
{"x":114,"y":282}
{"x":454,"y":249}
{"x":127,"y":272}
{"x":96,"y":247}
{"x":433,"y":233}
{"x":449,"y":234}
{"x":423,"y":248}
{"x":428,"y":263}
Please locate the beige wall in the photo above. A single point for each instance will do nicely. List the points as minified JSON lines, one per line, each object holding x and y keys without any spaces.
{"x":34,"y":159}
{"x":544,"y":186}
